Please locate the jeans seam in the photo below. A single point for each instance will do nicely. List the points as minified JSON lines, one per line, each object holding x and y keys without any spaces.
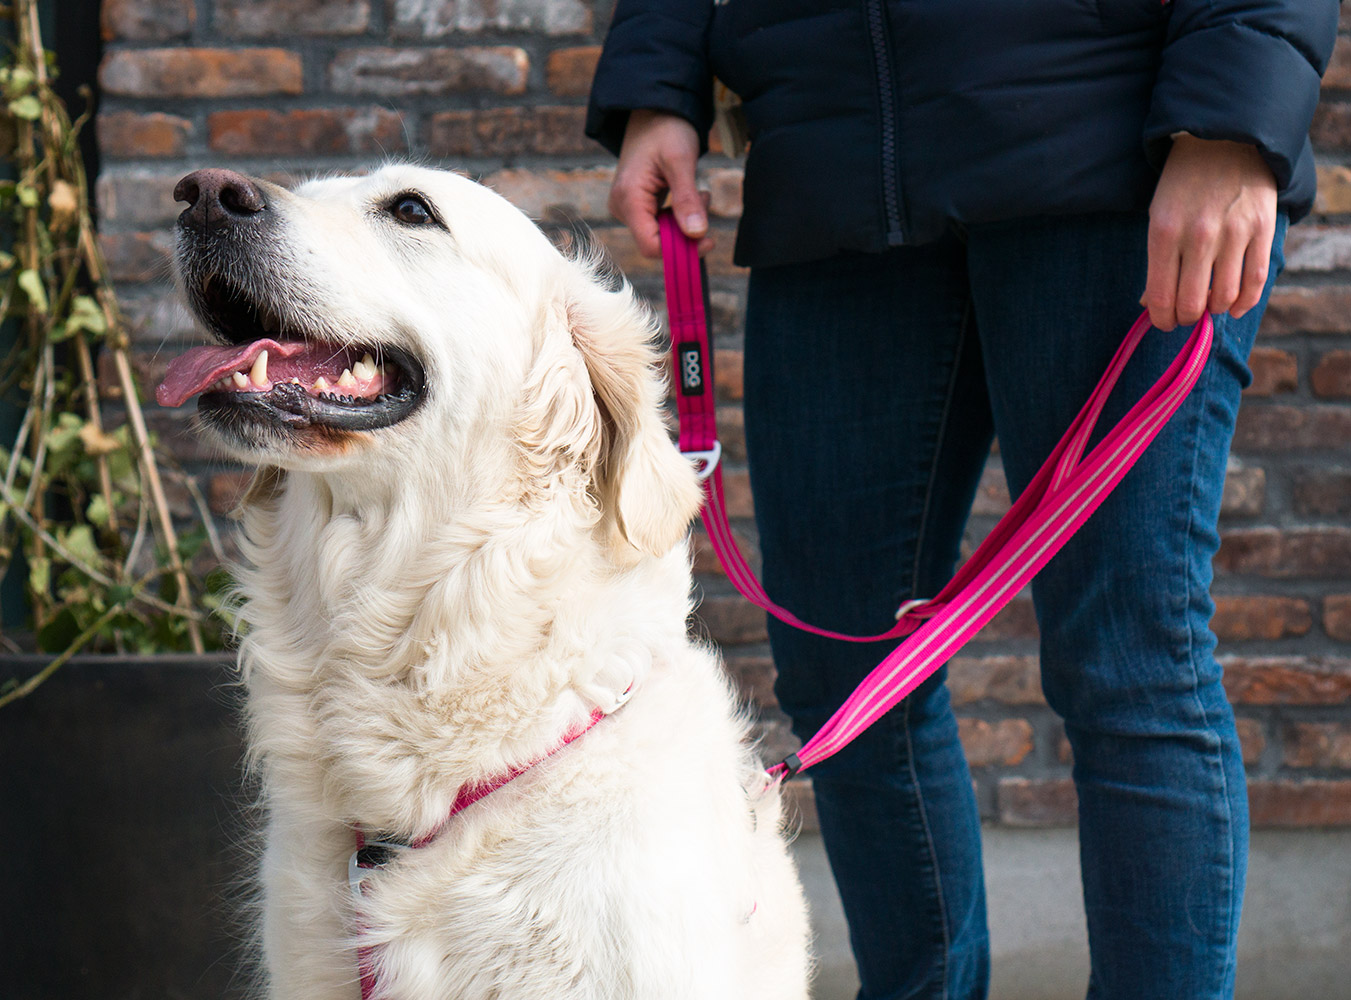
{"x":1202,"y":401}
{"x":938,"y":449}
{"x":930,"y":846}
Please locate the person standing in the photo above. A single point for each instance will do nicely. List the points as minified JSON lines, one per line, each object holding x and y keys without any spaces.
{"x":953,"y":211}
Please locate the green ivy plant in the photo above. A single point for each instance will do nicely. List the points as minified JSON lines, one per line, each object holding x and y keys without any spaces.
{"x":82,"y":503}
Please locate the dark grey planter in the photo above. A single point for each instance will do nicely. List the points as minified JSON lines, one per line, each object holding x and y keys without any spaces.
{"x":124,"y":811}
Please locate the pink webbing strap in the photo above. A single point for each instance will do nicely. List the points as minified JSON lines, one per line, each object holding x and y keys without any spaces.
{"x":1060,"y":498}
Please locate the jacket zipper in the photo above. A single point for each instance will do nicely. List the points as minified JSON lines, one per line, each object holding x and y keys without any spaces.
{"x":891,"y":196}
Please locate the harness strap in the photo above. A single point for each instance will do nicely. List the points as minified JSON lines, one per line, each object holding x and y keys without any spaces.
{"x":373,"y":854}
{"x":1068,"y":488}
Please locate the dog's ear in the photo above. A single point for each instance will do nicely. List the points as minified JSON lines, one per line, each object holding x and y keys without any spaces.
{"x":641,"y":479}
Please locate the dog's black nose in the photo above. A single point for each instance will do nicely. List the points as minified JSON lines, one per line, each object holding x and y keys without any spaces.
{"x":218,"y":199}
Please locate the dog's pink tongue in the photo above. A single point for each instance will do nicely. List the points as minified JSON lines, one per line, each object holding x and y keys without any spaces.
{"x":200,"y":367}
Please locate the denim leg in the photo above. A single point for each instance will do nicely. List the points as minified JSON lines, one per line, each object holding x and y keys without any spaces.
{"x":1126,"y":651}
{"x":867,"y":427}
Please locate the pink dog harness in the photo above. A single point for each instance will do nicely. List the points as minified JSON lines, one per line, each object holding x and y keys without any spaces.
{"x":372,"y":855}
{"x":1065,"y":492}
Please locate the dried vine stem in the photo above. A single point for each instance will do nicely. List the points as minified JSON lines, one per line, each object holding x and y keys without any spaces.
{"x":70,"y":483}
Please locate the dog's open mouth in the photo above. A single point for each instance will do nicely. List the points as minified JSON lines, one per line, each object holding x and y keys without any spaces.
{"x":266,"y":371}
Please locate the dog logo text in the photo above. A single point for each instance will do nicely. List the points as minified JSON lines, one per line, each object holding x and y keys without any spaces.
{"x":691,"y":357}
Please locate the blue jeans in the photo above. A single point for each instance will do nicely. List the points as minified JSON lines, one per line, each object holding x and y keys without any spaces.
{"x":874,"y":385}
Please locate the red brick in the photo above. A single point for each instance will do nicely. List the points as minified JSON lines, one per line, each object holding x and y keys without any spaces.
{"x":1337,"y":616}
{"x":128,"y":135}
{"x":1252,"y":739}
{"x":386,"y":72}
{"x":176,"y":434}
{"x":1286,"y":680}
{"x":1320,"y":553}
{"x":569,"y":71}
{"x":1260,"y":617}
{"x":226,"y":489}
{"x":1300,"y":803}
{"x":706,"y":560}
{"x":156,"y":319}
{"x":1338,"y":73}
{"x":1017,"y":620}
{"x":1317,"y":744}
{"x":1331,"y":376}
{"x":732,"y":433}
{"x":281,"y":18}
{"x":306,"y":132}
{"x":1292,"y":310}
{"x":1245,"y":490}
{"x":736,"y":488}
{"x":142,"y":199}
{"x":1273,"y":371}
{"x":1287,"y":428}
{"x":1307,"y":310}
{"x":542,"y":193}
{"x":146,"y":20}
{"x":727,"y":316}
{"x":724,"y":188}
{"x":731,"y":620}
{"x":1320,"y":492}
{"x":138,"y":257}
{"x":1037,"y":802}
{"x":1334,"y":190}
{"x":1006,"y":742}
{"x":187,"y":72}
{"x":1313,"y":248}
{"x":754,"y":678}
{"x":1331,"y":129}
{"x":550,"y":131}
{"x":439,"y":19}
{"x":622,"y":250}
{"x":1008,"y":680}
{"x":729,"y":368}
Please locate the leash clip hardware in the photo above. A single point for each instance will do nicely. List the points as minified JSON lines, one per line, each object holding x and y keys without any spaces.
{"x":371,"y":856}
{"x":705,"y":461}
{"x":910,"y":606}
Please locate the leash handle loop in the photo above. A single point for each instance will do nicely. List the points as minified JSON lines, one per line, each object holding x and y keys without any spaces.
{"x":1067,"y":489}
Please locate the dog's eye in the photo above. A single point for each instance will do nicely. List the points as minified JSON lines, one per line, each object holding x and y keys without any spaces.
{"x":411,"y":210}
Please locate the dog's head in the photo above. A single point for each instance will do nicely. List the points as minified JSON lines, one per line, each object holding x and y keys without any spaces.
{"x":412,"y":323}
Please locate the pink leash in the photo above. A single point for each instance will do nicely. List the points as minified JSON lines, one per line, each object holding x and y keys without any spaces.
{"x":1061,"y":497}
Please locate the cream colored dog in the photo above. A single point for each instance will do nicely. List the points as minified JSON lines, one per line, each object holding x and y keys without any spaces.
{"x":465,"y":543}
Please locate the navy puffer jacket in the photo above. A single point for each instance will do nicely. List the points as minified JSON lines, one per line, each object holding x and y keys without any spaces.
{"x":877,"y":123}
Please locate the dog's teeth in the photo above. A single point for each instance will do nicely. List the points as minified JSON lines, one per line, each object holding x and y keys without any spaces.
{"x":321,"y":384}
{"x":294,"y":380}
{"x":367,"y":360}
{"x":258,"y":373}
{"x":240,"y":380}
{"x":346,"y":380}
{"x":363,"y":368}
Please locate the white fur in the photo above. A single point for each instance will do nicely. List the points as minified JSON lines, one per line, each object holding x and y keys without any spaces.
{"x":431,"y":603}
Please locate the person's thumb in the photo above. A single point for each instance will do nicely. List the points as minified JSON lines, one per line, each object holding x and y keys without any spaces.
{"x":688,"y":205}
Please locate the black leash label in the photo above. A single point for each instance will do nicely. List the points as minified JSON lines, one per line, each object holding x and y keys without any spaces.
{"x":690,"y":354}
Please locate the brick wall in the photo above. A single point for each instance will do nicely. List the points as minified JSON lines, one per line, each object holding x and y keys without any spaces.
{"x":497,"y":87}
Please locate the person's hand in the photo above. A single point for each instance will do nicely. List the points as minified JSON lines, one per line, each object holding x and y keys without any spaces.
{"x":1211,"y":225}
{"x":658,"y":155}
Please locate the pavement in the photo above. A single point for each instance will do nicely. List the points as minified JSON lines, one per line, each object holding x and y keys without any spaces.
{"x":1294,"y":943}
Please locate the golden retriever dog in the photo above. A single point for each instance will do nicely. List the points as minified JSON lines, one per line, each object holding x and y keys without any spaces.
{"x":467,"y":561}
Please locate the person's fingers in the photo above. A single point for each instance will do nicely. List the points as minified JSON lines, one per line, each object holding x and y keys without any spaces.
{"x":636,"y":208}
{"x":1165,"y":259}
{"x":1193,"y":282}
{"x":1256,"y":269}
{"x":687,"y":203}
{"x":1226,"y":279}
